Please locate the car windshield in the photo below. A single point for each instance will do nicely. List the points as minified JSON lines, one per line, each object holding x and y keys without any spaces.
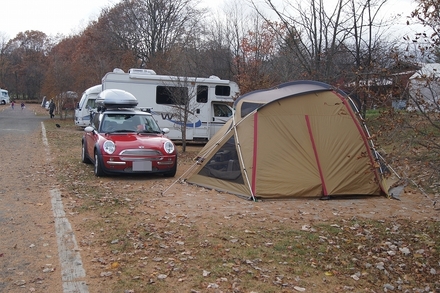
{"x":129,"y":123}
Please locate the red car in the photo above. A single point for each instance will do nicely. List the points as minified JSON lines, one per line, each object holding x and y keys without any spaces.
{"x":122,"y":139}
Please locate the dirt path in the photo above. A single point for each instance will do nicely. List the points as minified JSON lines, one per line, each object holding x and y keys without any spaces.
{"x":28,"y":246}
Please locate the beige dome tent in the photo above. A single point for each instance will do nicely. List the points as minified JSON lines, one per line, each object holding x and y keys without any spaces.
{"x":299,"y":139}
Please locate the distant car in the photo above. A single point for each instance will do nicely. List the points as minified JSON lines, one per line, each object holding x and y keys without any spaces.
{"x":122,"y":139}
{"x":45,"y":104}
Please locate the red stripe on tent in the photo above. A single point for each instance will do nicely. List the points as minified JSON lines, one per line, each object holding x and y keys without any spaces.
{"x":363,"y":135}
{"x":254,"y":159}
{"x":324,"y":187}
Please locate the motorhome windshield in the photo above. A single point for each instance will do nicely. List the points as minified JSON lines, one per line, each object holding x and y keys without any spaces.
{"x":4,"y":98}
{"x":87,"y":102}
{"x":5,"y":94}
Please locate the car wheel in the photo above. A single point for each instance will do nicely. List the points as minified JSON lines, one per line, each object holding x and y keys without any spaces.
{"x":99,"y":172}
{"x":172,"y":172}
{"x":84,"y":157}
{"x":3,"y":102}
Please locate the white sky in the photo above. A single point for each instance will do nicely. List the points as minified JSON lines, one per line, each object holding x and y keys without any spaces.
{"x":71,"y":16}
{"x":49,"y":16}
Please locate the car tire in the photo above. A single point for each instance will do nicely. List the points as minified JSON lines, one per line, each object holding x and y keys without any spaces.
{"x":84,"y":157}
{"x":99,"y":172}
{"x":3,"y":102}
{"x":172,"y":172}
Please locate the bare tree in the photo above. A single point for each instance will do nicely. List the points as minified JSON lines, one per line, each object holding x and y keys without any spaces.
{"x":181,"y":94}
{"x":312,"y":35}
{"x":65,"y":102}
{"x":151,"y":27}
{"x":428,"y":14}
{"x":328,"y":42}
{"x":424,"y":86}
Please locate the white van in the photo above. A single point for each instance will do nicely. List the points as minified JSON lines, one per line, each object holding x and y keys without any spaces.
{"x":86,"y":105}
{"x":210,"y":100}
{"x":4,"y":97}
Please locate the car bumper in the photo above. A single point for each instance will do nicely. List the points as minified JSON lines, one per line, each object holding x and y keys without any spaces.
{"x":116,"y":164}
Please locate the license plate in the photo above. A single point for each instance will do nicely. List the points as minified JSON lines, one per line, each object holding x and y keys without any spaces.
{"x":142,"y":166}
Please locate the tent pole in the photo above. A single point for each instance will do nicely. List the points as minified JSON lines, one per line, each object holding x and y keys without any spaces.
{"x":364,"y":125}
{"x":241,"y":157}
{"x":394,"y":171}
{"x":201,"y":159}
{"x":180,"y":178}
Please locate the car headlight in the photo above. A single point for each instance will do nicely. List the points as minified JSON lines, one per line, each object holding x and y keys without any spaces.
{"x":168,"y":147}
{"x":109,"y":147}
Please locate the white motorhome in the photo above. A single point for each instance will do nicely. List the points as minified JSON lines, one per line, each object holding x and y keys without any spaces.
{"x":4,"y":97}
{"x":86,"y":105}
{"x":209,"y":106}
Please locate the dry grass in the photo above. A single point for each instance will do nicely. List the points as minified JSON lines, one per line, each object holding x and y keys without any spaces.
{"x":133,"y":239}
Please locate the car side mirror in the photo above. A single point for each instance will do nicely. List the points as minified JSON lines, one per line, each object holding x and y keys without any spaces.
{"x":165,"y":130}
{"x":89,"y":129}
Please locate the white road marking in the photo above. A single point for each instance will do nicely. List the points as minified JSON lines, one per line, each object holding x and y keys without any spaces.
{"x":72,"y":271}
{"x":43,"y":133}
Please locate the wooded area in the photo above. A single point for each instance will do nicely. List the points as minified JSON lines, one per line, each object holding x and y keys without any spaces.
{"x":344,"y":45}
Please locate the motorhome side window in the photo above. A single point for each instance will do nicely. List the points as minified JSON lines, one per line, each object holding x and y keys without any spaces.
{"x":170,"y":95}
{"x":202,"y":94}
{"x":222,"y":90}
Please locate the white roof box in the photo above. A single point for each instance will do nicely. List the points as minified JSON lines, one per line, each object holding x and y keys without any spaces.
{"x":114,"y":98}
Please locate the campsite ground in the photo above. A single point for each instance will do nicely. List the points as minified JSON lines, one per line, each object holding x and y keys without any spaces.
{"x":134,"y":238}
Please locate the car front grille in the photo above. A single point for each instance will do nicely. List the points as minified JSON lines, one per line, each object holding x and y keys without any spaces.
{"x":140,"y":152}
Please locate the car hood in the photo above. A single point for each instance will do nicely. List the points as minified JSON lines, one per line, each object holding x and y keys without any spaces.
{"x":136,"y":139}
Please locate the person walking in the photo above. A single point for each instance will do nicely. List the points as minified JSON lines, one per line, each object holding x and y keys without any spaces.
{"x":12,"y":105}
{"x":51,"y":109}
{"x":22,"y":106}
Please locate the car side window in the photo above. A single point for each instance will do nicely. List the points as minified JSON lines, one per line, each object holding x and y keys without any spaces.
{"x":95,"y":122}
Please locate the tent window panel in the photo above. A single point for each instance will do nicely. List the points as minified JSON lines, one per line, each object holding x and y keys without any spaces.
{"x":224,"y":164}
{"x":247,"y":108}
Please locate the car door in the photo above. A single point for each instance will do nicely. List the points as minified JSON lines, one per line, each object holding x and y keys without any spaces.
{"x":92,"y":137}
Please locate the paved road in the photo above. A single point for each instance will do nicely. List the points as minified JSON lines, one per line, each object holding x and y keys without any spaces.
{"x":29,"y":232}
